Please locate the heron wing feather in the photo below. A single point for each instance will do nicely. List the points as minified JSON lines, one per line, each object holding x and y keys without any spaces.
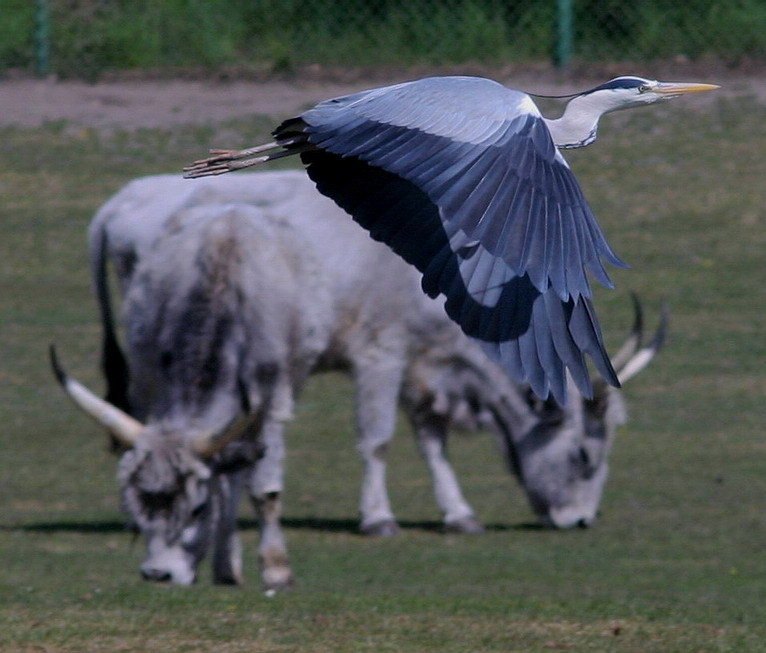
{"x":472,"y":191}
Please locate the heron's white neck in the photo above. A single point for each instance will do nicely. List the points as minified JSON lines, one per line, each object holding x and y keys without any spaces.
{"x":578,"y":126}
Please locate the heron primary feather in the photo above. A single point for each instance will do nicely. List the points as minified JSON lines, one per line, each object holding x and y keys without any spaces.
{"x":463,"y":178}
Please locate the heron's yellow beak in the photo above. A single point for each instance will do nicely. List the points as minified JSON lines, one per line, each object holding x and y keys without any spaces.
{"x":681,"y":88}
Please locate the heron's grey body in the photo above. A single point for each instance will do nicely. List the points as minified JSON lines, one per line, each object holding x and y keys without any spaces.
{"x":503,"y":231}
{"x":462,"y":177}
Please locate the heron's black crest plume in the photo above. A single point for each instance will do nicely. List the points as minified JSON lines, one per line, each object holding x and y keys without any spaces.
{"x":616,"y":83}
{"x":556,"y":97}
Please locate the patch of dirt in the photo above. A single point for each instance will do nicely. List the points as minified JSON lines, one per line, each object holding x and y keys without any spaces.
{"x":126,"y":103}
{"x":158,"y":104}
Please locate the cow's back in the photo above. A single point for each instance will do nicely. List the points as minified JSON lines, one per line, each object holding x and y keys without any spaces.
{"x":376,"y":295}
{"x":352,"y":292}
{"x":227,"y":292}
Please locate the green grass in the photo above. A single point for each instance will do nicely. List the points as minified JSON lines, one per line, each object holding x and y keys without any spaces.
{"x":675,"y":564}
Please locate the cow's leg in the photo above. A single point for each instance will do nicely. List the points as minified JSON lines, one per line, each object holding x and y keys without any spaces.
{"x":378,"y":381}
{"x":266,"y":483}
{"x":458,"y":517}
{"x":227,"y":549}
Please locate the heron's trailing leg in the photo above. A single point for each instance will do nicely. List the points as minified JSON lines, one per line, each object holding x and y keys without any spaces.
{"x":222,"y":161}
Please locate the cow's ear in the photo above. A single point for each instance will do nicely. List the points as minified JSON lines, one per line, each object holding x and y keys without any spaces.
{"x":600,"y":402}
{"x":548,"y":411}
{"x":237,"y":455}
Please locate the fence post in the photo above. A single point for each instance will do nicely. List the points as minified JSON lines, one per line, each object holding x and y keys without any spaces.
{"x":564,"y":32}
{"x":42,"y":38}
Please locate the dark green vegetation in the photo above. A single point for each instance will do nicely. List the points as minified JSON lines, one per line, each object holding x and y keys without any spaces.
{"x":89,"y":37}
{"x":675,"y":565}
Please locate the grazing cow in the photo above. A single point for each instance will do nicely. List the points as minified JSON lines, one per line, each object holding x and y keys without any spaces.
{"x":204,"y":376}
{"x":367,"y":314}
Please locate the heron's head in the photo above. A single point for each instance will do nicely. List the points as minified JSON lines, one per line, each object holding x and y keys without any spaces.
{"x":628,"y":91}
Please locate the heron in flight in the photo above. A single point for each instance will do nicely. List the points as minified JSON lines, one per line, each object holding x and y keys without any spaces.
{"x":464,"y":179}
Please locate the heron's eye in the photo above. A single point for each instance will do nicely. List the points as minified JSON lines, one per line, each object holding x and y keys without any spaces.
{"x":644,"y":88}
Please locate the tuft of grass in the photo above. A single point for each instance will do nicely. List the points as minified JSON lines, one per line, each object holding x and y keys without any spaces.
{"x":674,"y":565}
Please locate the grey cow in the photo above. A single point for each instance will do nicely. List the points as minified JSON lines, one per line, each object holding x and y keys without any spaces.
{"x":366,"y":312}
{"x":203,"y":381}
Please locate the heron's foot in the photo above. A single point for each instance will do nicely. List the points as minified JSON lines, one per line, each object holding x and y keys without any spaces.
{"x":384,"y":528}
{"x":220,"y":161}
{"x":464,"y":526}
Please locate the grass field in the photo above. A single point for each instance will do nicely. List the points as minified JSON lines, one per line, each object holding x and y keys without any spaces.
{"x":676,"y":563}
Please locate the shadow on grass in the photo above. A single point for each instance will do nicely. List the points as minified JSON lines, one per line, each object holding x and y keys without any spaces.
{"x":328,"y":525}
{"x":98,"y":527}
{"x":351,"y":526}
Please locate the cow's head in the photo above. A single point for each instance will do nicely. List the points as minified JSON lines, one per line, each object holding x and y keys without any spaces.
{"x":559,"y":454}
{"x":169,"y":477}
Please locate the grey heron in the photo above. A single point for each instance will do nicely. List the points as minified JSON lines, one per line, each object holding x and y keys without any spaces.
{"x":464,"y":179}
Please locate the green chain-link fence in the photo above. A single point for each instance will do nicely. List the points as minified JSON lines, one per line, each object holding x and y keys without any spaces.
{"x":76,"y":37}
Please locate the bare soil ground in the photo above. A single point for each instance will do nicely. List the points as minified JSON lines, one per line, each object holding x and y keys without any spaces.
{"x":146,"y":103}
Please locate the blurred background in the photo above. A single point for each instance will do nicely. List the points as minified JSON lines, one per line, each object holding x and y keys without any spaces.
{"x":85,"y":38}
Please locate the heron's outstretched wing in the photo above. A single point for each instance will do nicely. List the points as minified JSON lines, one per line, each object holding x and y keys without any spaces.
{"x":460,"y":177}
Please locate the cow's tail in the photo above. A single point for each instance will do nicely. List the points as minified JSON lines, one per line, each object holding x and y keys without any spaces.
{"x":113,"y":363}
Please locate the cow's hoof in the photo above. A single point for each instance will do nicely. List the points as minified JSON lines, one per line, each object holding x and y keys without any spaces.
{"x":277,"y":580}
{"x":272,"y":590}
{"x":465,"y":526}
{"x":385,"y":528}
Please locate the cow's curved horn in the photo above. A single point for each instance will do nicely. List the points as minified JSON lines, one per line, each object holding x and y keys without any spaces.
{"x":209,"y":443}
{"x":631,"y":345}
{"x":643,"y":356}
{"x":125,"y":428}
